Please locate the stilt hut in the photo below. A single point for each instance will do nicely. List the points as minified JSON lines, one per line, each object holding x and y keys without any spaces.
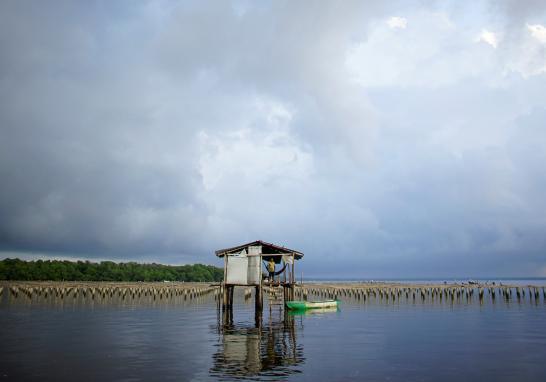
{"x":243,"y":267}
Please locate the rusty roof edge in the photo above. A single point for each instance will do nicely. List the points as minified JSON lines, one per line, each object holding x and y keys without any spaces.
{"x":226,"y":250}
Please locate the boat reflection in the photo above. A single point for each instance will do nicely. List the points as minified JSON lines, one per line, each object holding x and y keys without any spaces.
{"x":261,"y":351}
{"x":308,"y":312}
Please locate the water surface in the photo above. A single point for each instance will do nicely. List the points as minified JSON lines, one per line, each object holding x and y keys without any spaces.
{"x":132,"y":340}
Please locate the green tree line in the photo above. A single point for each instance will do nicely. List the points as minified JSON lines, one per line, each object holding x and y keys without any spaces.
{"x":56,"y":270}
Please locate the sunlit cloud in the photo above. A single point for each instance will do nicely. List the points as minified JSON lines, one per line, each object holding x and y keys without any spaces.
{"x":396,"y":22}
{"x":489,"y":38}
{"x":538,"y":32}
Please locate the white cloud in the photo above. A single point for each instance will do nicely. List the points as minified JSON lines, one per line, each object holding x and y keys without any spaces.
{"x":538,"y":32}
{"x":526,"y":54}
{"x":489,"y":38}
{"x":433,"y":52}
{"x":396,"y":22}
{"x":248,"y":158}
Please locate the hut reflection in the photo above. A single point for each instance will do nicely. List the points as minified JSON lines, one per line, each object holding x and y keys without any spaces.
{"x":259,"y":350}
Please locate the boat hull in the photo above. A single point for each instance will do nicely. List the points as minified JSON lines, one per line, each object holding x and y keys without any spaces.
{"x":304,"y":305}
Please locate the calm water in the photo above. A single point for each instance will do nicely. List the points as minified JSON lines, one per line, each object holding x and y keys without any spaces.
{"x":184,"y":341}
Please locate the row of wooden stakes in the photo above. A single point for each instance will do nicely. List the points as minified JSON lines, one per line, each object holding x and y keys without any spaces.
{"x":105,"y":292}
{"x":423,"y":294}
{"x":310,"y":291}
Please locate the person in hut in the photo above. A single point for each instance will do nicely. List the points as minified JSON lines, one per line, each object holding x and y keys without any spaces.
{"x":271,"y":269}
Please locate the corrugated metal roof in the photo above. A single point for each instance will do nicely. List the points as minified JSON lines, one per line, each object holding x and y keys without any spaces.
{"x":272,"y":247}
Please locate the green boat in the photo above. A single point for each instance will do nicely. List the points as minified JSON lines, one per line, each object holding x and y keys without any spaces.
{"x":303,"y":305}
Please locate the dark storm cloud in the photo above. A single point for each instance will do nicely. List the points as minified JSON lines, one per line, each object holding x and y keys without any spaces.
{"x":163,"y":131}
{"x":87,"y":161}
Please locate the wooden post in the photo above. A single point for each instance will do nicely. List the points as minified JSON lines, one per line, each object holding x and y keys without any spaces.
{"x":293,"y":276}
{"x":258,"y":295}
{"x":230,"y":302}
{"x":224,"y":286}
{"x":258,"y":303}
{"x":225,"y":296}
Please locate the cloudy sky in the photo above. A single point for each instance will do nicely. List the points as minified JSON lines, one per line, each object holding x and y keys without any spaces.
{"x":382,"y":139}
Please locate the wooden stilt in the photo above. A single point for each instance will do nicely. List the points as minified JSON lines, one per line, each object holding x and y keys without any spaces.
{"x":230,"y":296}
{"x":258,"y":303}
{"x":225,"y":291}
{"x":292,"y":292}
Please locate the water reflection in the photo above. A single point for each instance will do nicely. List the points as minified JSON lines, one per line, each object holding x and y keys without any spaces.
{"x":267,"y":349}
{"x":310,"y":312}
